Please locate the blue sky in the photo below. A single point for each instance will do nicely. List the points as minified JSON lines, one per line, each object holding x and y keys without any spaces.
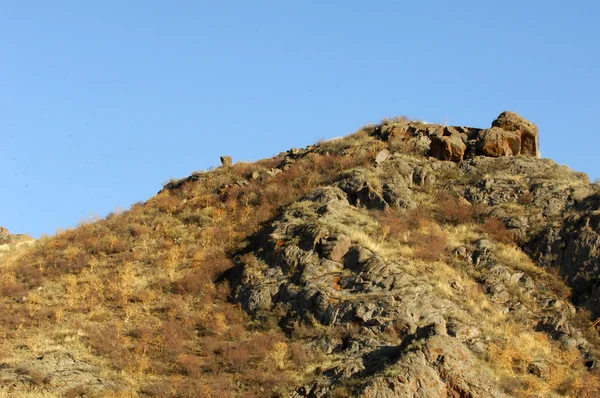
{"x":103,"y":101}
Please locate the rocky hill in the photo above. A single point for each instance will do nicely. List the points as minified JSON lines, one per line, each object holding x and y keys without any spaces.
{"x":405,"y":260}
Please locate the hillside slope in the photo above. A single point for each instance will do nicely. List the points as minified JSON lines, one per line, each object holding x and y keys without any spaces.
{"x":407,"y":259}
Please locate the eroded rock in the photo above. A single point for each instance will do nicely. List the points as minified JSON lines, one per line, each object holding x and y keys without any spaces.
{"x":448,"y":148}
{"x":528,"y":132}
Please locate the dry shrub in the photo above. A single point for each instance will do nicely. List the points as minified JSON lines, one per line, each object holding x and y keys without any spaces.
{"x":582,"y":384}
{"x":237,"y":359}
{"x":10,"y":318}
{"x":565,"y":373}
{"x":215,"y":264}
{"x":166,"y":202}
{"x":190,"y":365}
{"x":418,"y":218}
{"x":12,"y":288}
{"x":31,"y":275}
{"x":496,"y":229}
{"x":108,"y":341}
{"x":452,"y":210}
{"x":393,"y":224}
{"x":137,"y":230}
{"x":190,"y":388}
{"x":299,"y":355}
{"x":279,"y":355}
{"x":193,"y":282}
{"x":174,"y":340}
{"x":429,"y":246}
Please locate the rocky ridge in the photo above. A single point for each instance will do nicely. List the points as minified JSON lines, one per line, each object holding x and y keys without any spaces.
{"x":405,"y":334}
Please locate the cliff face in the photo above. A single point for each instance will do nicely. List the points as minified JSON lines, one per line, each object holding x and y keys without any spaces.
{"x":407,"y":259}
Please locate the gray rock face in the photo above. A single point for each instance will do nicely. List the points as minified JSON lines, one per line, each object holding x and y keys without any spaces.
{"x":322,"y":275}
{"x":404,"y":336}
{"x":56,"y":371}
{"x":361,"y":192}
{"x":573,"y":245}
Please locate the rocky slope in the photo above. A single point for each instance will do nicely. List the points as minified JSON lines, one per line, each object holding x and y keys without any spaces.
{"x":325,"y":263}
{"x":407,"y":259}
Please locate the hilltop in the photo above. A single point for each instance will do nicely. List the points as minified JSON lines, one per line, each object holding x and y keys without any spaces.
{"x":406,"y":259}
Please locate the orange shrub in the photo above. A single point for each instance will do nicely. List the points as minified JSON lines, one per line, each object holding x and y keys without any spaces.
{"x":496,"y":229}
{"x":451,"y":210}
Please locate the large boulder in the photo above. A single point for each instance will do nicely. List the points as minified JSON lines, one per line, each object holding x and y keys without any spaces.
{"x":448,"y":148}
{"x":497,"y":142}
{"x":528,"y":131}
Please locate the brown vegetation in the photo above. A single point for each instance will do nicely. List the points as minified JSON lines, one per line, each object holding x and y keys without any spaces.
{"x":142,"y":290}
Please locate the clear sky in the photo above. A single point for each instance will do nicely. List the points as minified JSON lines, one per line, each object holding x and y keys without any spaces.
{"x":103,"y":101}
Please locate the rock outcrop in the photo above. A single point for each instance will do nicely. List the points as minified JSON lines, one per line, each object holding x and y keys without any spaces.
{"x":509,"y":135}
{"x":526,"y":130}
{"x":448,"y":148}
{"x":320,"y":274}
{"x":400,"y":335}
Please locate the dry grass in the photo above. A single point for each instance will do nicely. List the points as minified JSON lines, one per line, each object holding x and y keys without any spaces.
{"x":516,"y":354}
{"x":140,"y":293}
{"x":513,"y":348}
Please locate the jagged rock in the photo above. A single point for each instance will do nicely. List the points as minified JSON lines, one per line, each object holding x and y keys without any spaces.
{"x":528,"y":132}
{"x":356,"y":257}
{"x":226,"y":161}
{"x":510,"y":135}
{"x":463,"y":332}
{"x":398,"y":196}
{"x":273,"y":172}
{"x":336,"y":247}
{"x":382,"y":156}
{"x":328,"y":195}
{"x":361,"y":192}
